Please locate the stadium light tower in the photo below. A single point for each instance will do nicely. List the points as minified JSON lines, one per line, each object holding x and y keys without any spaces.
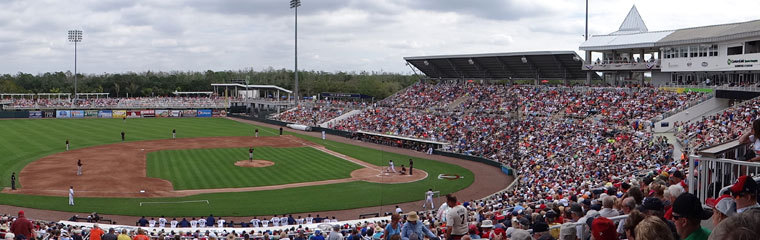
{"x":295,"y":4}
{"x":75,"y":36}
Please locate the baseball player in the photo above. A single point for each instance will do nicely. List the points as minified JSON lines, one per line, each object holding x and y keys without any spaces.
{"x":323,"y":135}
{"x":202,"y":222}
{"x":79,"y":167}
{"x":275,"y":221}
{"x":162,"y":222}
{"x":391,"y":168}
{"x":284,"y":220}
{"x":67,"y":144}
{"x":193,"y":223}
{"x":411,"y":166}
{"x":13,"y":181}
{"x":300,"y":220}
{"x":428,"y":199}
{"x":256,"y":132}
{"x":264,"y":223}
{"x":255,"y":222}
{"x":250,"y":154}
{"x":71,"y":195}
{"x":309,"y":219}
{"x":152,"y":222}
{"x":174,"y":223}
{"x":220,"y":222}
{"x":122,"y":136}
{"x":174,"y":133}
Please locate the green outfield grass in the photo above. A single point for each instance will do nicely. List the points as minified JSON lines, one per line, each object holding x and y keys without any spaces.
{"x":214,"y":168}
{"x":23,"y":141}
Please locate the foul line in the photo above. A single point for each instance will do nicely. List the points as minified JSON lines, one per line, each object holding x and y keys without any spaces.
{"x":191,"y":201}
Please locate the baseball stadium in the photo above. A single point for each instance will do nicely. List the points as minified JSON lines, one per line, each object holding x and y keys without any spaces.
{"x":659,"y":135}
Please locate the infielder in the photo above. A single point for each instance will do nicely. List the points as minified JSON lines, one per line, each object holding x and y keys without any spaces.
{"x":174,"y":133}
{"x":122,"y":136}
{"x":71,"y":195}
{"x":391,"y":168}
{"x":428,"y":199}
{"x":13,"y":181}
{"x":323,"y":135}
{"x":250,"y":154}
{"x":256,"y":132}
{"x":67,"y":144}
{"x":79,"y":167}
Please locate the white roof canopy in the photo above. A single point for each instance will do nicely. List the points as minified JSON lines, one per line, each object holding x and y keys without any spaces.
{"x":251,"y":86}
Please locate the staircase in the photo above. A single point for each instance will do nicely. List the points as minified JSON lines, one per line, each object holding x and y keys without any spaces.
{"x":330,"y":122}
{"x":457,"y":102}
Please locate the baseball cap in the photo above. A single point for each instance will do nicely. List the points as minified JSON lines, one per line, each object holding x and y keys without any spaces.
{"x":652,"y":203}
{"x":744,"y":184}
{"x":524,"y":221}
{"x":603,"y":228}
{"x":678,"y":174}
{"x":540,"y":227}
{"x":687,"y":205}
{"x":550,"y":214}
{"x":21,"y":212}
{"x":724,"y":204}
{"x":576,"y":208}
{"x":567,"y":229}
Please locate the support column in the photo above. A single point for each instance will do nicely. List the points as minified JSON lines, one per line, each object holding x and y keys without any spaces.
{"x":588,"y":71}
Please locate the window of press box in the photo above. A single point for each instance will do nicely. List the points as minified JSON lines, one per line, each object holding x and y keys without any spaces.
{"x":734,"y":50}
{"x":752,"y":46}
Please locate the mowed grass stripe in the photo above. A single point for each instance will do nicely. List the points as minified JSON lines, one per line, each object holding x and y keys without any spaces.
{"x":214,"y":168}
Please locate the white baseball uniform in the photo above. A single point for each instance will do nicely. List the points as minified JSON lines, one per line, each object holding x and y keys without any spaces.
{"x":202,"y":223}
{"x":391,"y":167}
{"x":173,"y":223}
{"x":151,"y":223}
{"x":283,"y":221}
{"x":193,"y":223}
{"x":428,"y":199}
{"x":220,"y":223}
{"x":275,"y":221}
{"x":309,"y":220}
{"x":264,"y":223}
{"x":255,"y":222}
{"x":162,"y":222}
{"x":71,"y":196}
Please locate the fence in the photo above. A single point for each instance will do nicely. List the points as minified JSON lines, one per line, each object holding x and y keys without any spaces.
{"x":714,"y":174}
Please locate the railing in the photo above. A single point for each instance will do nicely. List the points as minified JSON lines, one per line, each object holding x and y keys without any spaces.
{"x":615,"y":219}
{"x":681,"y":108}
{"x":714,"y":174}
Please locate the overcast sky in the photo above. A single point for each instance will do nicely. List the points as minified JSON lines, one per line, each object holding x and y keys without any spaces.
{"x":334,"y":35}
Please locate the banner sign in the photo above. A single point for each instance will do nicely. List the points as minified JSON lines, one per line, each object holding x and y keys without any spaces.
{"x":49,"y":114}
{"x":35,"y":114}
{"x":62,"y":114}
{"x":162,"y":113}
{"x":148,"y":113}
{"x":77,"y":113}
{"x":189,"y":113}
{"x":119,"y":113}
{"x":133,"y":113}
{"x":105,"y":114}
{"x":91,"y":113}
{"x":175,"y":113}
{"x":204,"y":113}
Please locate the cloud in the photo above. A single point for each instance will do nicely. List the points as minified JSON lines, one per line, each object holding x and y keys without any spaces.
{"x":334,"y":35}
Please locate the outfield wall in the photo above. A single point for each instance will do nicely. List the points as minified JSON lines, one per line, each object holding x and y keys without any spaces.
{"x":119,"y":113}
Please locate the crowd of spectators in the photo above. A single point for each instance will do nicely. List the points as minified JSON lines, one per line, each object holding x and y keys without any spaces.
{"x":722,"y":127}
{"x":140,"y":102}
{"x":313,"y":113}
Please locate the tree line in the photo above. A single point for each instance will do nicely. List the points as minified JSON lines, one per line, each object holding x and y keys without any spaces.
{"x":375,"y":84}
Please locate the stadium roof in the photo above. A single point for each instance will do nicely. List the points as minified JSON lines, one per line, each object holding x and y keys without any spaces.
{"x":251,"y":86}
{"x":517,"y":65}
{"x":634,"y":34}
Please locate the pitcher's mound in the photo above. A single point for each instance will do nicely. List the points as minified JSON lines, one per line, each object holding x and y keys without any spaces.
{"x":254,"y":163}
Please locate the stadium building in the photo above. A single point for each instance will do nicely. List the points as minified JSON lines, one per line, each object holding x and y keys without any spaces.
{"x":712,"y":55}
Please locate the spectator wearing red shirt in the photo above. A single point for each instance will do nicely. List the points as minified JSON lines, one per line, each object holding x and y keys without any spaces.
{"x":96,"y":232}
{"x":22,"y":227}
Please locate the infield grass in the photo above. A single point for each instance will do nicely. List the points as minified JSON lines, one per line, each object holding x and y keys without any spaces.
{"x":23,"y":141}
{"x":215,"y":168}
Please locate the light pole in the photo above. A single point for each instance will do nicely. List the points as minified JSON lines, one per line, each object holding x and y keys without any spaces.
{"x":75,"y":36}
{"x":295,"y":4}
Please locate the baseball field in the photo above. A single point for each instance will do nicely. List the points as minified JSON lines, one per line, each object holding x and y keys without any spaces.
{"x":203,"y":171}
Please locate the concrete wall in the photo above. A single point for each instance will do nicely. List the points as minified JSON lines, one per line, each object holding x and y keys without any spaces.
{"x":693,"y":113}
{"x":660,"y":78}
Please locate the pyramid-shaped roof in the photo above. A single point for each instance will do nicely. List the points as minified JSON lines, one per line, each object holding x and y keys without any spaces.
{"x":633,"y":23}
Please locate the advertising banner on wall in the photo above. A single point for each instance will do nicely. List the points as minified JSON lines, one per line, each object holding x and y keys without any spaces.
{"x":204,"y":113}
{"x":77,"y":113}
{"x":62,"y":114}
{"x":189,"y":113}
{"x":119,"y":113}
{"x":105,"y":114}
{"x":148,"y":113}
{"x":36,"y":114}
{"x":133,"y":113}
{"x":49,"y":114}
{"x":91,"y":113}
{"x":162,"y":113}
{"x":175,"y":113}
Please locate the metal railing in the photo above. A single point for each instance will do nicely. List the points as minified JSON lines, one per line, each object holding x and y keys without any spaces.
{"x":615,"y":219}
{"x":715,"y":174}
